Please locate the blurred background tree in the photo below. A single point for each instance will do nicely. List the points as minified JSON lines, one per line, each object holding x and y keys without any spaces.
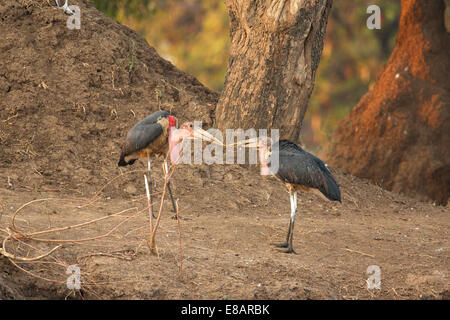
{"x":194,"y":36}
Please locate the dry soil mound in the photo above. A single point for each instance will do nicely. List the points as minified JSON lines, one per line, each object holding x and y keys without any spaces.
{"x":68,"y":97}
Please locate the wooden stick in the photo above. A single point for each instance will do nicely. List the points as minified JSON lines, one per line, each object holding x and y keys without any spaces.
{"x":150,"y":211}
{"x":14,"y":257}
{"x":362,"y":253}
{"x":167,"y":176}
{"x":179,"y":237}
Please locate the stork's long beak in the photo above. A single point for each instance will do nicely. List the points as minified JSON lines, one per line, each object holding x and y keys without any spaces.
{"x":249,"y":143}
{"x":201,"y":134}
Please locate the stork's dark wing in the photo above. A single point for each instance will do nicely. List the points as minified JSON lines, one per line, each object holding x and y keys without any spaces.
{"x":141,"y":135}
{"x":297,"y":166}
{"x":153,"y":118}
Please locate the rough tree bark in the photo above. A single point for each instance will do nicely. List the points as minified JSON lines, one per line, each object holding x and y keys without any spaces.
{"x":399,"y":133}
{"x":275,"y":50}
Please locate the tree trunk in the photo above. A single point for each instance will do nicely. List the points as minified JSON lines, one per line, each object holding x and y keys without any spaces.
{"x":275,"y":50}
{"x":399,"y":133}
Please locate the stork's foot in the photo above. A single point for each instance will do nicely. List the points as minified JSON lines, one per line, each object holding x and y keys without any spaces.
{"x":174,"y":217}
{"x":289,"y":250}
{"x":281,"y":245}
{"x":285,"y":245}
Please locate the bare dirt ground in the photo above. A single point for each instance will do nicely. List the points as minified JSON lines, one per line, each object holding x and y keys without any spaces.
{"x":230,"y":218}
{"x":67,"y":99}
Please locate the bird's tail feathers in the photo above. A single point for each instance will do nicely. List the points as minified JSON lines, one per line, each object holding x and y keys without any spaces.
{"x":331,"y":189}
{"x":123,"y":163}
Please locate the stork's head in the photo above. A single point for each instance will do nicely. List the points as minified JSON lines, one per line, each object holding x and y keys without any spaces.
{"x":186,"y":131}
{"x":176,"y":137}
{"x":188,"y":126}
{"x":264,"y":145}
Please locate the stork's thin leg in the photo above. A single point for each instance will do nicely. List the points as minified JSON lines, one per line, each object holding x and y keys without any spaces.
{"x":171,"y":197}
{"x":293,"y":198}
{"x":150,"y":184}
{"x":170,"y":188}
{"x":286,"y":243}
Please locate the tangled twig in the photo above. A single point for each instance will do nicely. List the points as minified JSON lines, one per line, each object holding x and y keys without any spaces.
{"x":22,"y":237}
{"x":4,"y":252}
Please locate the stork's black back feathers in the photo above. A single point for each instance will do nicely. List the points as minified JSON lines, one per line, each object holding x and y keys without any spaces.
{"x":296,"y":166}
{"x":141,"y":135}
{"x":153,"y":118}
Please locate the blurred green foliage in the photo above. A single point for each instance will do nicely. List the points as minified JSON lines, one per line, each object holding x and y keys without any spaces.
{"x":353,"y":56}
{"x":134,"y":8}
{"x":194,"y":35}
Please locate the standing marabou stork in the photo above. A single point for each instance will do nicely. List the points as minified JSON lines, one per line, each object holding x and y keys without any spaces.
{"x":298,"y":170}
{"x":156,"y":135}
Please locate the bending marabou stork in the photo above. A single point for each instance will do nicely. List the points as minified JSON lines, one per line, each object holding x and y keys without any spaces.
{"x":156,"y":135}
{"x":298,"y":170}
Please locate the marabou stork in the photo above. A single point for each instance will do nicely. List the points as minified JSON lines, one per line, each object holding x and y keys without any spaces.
{"x":298,"y":170}
{"x":156,"y":135}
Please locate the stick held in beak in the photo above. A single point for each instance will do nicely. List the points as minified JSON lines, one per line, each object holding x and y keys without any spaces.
{"x":249,"y":143}
{"x":201,"y":134}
